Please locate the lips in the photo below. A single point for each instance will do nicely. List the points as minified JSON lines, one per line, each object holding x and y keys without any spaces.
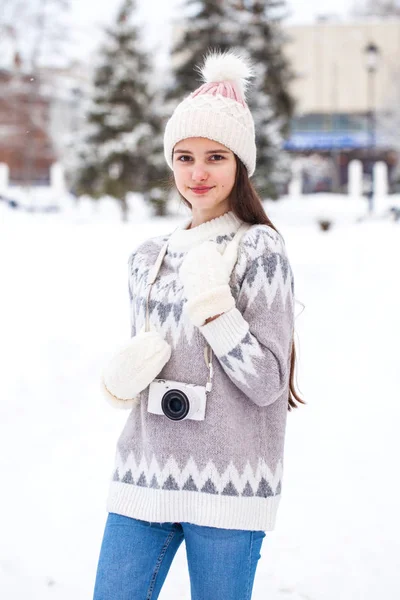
{"x":201,"y":190}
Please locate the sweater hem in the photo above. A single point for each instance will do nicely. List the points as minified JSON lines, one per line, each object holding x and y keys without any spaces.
{"x":225,"y":512}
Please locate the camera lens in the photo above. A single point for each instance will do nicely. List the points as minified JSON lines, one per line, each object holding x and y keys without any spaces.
{"x":175,"y":405}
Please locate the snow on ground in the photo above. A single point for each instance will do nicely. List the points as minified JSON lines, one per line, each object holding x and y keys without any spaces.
{"x":64,"y":309}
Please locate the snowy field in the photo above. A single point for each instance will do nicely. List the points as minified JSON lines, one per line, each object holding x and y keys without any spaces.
{"x":64,"y":308}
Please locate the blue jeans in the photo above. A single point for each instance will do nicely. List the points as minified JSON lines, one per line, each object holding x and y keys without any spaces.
{"x":135,"y":558}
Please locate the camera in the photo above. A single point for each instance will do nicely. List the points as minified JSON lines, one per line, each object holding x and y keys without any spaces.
{"x":177,"y":401}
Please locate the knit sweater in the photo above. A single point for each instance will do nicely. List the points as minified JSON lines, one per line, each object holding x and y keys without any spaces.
{"x":226,"y":470}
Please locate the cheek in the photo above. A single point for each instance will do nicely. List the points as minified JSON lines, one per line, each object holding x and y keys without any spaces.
{"x":228,"y":179}
{"x":178,"y":178}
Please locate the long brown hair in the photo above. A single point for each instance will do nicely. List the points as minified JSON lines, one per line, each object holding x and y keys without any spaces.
{"x":246,"y":204}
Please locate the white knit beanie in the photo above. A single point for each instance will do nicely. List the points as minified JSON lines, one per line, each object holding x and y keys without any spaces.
{"x":217,"y":110}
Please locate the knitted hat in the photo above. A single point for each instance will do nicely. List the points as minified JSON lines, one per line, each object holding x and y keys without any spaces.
{"x":217,"y":110}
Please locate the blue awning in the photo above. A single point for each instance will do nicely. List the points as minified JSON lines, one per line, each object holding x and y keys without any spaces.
{"x":327,"y":140}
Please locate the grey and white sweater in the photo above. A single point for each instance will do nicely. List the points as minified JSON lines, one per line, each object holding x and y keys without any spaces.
{"x":225,"y":471}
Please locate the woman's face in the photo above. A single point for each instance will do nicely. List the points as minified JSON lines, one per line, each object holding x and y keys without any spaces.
{"x":204,"y":173}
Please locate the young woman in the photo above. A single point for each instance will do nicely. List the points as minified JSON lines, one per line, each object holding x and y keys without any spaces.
{"x":208,"y":373}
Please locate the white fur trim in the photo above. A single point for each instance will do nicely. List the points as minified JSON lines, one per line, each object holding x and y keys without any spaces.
{"x":117,"y":402}
{"x":208,"y":304}
{"x":227,"y":66}
{"x":135,"y":365}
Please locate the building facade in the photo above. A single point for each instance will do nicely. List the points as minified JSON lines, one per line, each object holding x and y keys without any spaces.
{"x":347,"y":106}
{"x":25,"y":144}
{"x":40,"y":113}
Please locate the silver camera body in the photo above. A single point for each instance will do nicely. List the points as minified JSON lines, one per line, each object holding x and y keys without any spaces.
{"x":176,"y":400}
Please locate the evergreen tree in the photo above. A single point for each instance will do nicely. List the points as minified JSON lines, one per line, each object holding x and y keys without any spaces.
{"x":261,"y":33}
{"x":158,"y":173}
{"x":204,"y":27}
{"x":255,"y":29}
{"x":120,"y":136}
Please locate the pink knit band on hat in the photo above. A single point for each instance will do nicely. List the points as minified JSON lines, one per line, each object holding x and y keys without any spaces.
{"x":228,"y":89}
{"x":217,"y":110}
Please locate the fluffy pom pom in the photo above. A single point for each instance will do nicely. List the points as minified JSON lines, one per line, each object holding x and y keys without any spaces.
{"x":227,"y":66}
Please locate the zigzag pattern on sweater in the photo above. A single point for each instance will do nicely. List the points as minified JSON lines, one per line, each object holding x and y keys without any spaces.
{"x":263,"y":483}
{"x":269,"y":268}
{"x":269,"y":273}
{"x":226,"y":481}
{"x":234,"y":359}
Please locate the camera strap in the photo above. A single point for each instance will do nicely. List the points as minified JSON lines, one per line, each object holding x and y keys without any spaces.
{"x":230,"y":255}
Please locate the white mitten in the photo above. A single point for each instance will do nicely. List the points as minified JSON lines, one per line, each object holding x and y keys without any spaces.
{"x":134,"y":367}
{"x":205,"y":276}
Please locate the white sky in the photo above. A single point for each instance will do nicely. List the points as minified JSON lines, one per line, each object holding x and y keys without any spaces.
{"x":158,"y":10}
{"x":156,"y":14}
{"x":304,"y":11}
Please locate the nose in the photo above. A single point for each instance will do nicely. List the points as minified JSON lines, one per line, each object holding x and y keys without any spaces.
{"x":199,"y":173}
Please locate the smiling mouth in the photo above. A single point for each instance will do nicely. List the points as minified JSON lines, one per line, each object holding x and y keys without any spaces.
{"x":201,"y":189}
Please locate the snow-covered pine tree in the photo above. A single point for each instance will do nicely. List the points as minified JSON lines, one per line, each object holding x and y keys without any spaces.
{"x":262,"y":35}
{"x":158,"y":173}
{"x":115,"y":148}
{"x":255,"y":29}
{"x":204,"y":27}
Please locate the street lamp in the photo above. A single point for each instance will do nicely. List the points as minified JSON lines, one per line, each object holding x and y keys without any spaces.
{"x":371,"y":52}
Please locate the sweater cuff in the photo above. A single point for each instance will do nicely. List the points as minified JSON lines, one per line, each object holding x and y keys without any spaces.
{"x":225,"y":332}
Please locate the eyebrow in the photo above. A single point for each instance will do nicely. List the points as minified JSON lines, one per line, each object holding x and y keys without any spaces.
{"x":208,"y":152}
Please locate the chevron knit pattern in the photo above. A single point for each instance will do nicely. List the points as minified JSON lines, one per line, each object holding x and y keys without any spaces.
{"x":263,"y":483}
{"x":224,"y":471}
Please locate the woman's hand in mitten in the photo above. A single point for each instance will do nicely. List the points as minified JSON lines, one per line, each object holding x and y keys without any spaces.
{"x":134,"y":367}
{"x":205,"y":276}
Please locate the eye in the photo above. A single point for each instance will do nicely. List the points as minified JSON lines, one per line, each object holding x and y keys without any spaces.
{"x":183,"y":158}
{"x":217,"y":157}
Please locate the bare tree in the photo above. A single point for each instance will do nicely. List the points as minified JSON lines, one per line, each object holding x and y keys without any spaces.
{"x":35,"y":29}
